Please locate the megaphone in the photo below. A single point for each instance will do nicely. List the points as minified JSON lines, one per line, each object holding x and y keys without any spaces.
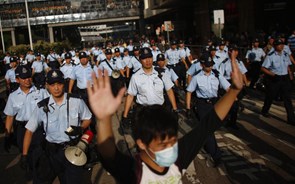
{"x":76,"y":154}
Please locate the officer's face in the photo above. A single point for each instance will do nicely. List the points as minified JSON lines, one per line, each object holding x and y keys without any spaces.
{"x":68,"y":61}
{"x":221,"y":47}
{"x":136,"y":53}
{"x":207,"y":68}
{"x":147,"y":63}
{"x":109,"y":56}
{"x":161,"y":64}
{"x":256,"y":44}
{"x":84,"y":61}
{"x":173,"y":47}
{"x":213,"y":52}
{"x":24,"y":83}
{"x":117,"y":54}
{"x":56,"y":89}
{"x":279,"y":47}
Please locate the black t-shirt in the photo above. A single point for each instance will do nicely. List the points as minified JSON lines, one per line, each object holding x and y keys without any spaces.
{"x":126,"y":169}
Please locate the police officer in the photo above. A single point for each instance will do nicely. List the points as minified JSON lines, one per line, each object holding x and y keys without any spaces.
{"x":6,"y":61}
{"x":123,"y":65}
{"x":30,"y":57}
{"x":193,"y":69}
{"x":161,"y":63}
{"x":217,"y":60}
{"x":101,"y":56}
{"x":134,"y":63}
{"x":225,"y":70}
{"x":206,"y":84}
{"x":52,"y":60}
{"x":147,"y":86}
{"x":57,"y":114}
{"x":221,"y":52}
{"x":111,"y":65}
{"x":11,"y":84}
{"x":155,"y":52}
{"x":67,"y":69}
{"x":176,"y":61}
{"x":255,"y":57}
{"x":39,"y":70}
{"x":276,"y":67}
{"x":82,"y":73}
{"x":19,"y":108}
{"x":22,"y":102}
{"x":76,"y":58}
{"x":185,"y":53}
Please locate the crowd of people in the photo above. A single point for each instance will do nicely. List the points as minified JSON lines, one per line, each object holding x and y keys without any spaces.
{"x":52,"y":100}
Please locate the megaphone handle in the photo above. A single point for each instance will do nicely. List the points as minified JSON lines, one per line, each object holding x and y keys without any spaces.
{"x":78,"y":152}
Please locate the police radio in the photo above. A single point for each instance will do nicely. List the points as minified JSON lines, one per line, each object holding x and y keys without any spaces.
{"x":76,"y":154}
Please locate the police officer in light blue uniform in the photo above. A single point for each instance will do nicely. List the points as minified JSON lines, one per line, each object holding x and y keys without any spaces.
{"x":221,"y":52}
{"x":39,"y":70}
{"x":67,"y":69}
{"x":11,"y":84}
{"x":193,"y":69}
{"x":57,"y":114}
{"x":82,"y":73}
{"x":147,"y":86}
{"x":155,"y":52}
{"x":255,"y":57}
{"x":111,"y":65}
{"x":206,"y":84}
{"x":134,"y":63}
{"x":225,"y":70}
{"x":217,"y":60}
{"x":161,"y":63}
{"x":19,"y":108}
{"x":276,"y":68}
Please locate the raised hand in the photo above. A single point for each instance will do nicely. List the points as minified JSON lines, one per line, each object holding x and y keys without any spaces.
{"x":101,"y":99}
{"x":236,"y":75}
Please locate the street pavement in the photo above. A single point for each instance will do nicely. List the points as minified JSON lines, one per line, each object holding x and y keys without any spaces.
{"x":261,"y":151}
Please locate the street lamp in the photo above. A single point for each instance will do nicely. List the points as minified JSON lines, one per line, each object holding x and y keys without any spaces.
{"x":29,"y":26}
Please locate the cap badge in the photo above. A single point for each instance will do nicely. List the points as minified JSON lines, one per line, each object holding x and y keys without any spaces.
{"x":24,"y":70}
{"x":54,"y":74}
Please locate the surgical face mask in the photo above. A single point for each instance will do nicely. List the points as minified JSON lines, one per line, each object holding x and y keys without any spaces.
{"x":166,"y":157}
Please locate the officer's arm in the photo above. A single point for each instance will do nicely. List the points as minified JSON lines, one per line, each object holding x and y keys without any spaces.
{"x":33,"y":71}
{"x":71,"y":84}
{"x":290,"y":73}
{"x":85,"y":123}
{"x":183,"y":60}
{"x":223,"y":105}
{"x":267,"y":72}
{"x":128,"y":103}
{"x":189,"y":78}
{"x":171,"y":97}
{"x":292,"y":59}
{"x":127,"y":72}
{"x":188,"y":100}
{"x":8,"y":123}
{"x":8,"y":84}
{"x":27,"y":141}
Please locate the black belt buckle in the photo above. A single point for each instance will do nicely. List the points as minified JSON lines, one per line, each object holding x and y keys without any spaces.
{"x":208,"y":101}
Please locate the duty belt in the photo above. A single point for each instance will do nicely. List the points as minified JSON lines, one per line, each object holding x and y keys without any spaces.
{"x":208,"y":100}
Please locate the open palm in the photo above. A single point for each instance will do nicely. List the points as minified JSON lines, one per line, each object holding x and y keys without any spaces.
{"x":101,"y":99}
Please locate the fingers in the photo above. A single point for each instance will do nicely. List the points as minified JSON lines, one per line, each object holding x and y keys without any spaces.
{"x":100,"y":80}
{"x":107,"y":83}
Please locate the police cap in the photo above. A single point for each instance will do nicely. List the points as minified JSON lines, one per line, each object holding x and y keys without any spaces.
{"x":23,"y":72}
{"x":82,"y":55}
{"x":108,"y":52}
{"x":161,"y":57}
{"x":68,"y":55}
{"x":278,"y":42}
{"x":126,"y":50}
{"x":206,"y":60}
{"x":145,"y":53}
{"x":55,"y":76}
{"x":181,"y":42}
{"x":135,"y":48}
{"x":38,"y":54}
{"x":212,"y":48}
{"x":117,"y":50}
{"x":233,"y":47}
{"x":173,"y":42}
{"x":13,"y":59}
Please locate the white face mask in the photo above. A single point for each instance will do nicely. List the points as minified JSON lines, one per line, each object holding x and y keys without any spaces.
{"x":166,"y":157}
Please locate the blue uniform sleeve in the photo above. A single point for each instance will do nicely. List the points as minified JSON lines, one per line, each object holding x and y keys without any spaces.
{"x":9,"y":111}
{"x":34,"y":120}
{"x":192,"y":85}
{"x":132,"y":89}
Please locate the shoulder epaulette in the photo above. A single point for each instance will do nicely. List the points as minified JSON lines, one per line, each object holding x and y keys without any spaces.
{"x":197,"y":72}
{"x":271,"y":53}
{"x":43,"y":102}
{"x":217,"y":57}
{"x":216,"y":73}
{"x":225,"y":60}
{"x":71,"y":95}
{"x":285,"y":53}
{"x":63,"y":65}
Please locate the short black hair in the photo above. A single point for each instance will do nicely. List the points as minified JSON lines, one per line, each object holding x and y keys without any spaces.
{"x":154,"y":122}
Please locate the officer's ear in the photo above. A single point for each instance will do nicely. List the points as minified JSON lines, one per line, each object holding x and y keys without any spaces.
{"x":17,"y":79}
{"x":140,"y":144}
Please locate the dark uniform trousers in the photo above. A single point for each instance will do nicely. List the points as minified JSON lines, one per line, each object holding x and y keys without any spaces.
{"x":180,"y":71}
{"x":50,"y":162}
{"x":279,"y":84}
{"x":255,"y":71}
{"x":36,"y":139}
{"x":210,"y":146}
{"x":39,"y":79}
